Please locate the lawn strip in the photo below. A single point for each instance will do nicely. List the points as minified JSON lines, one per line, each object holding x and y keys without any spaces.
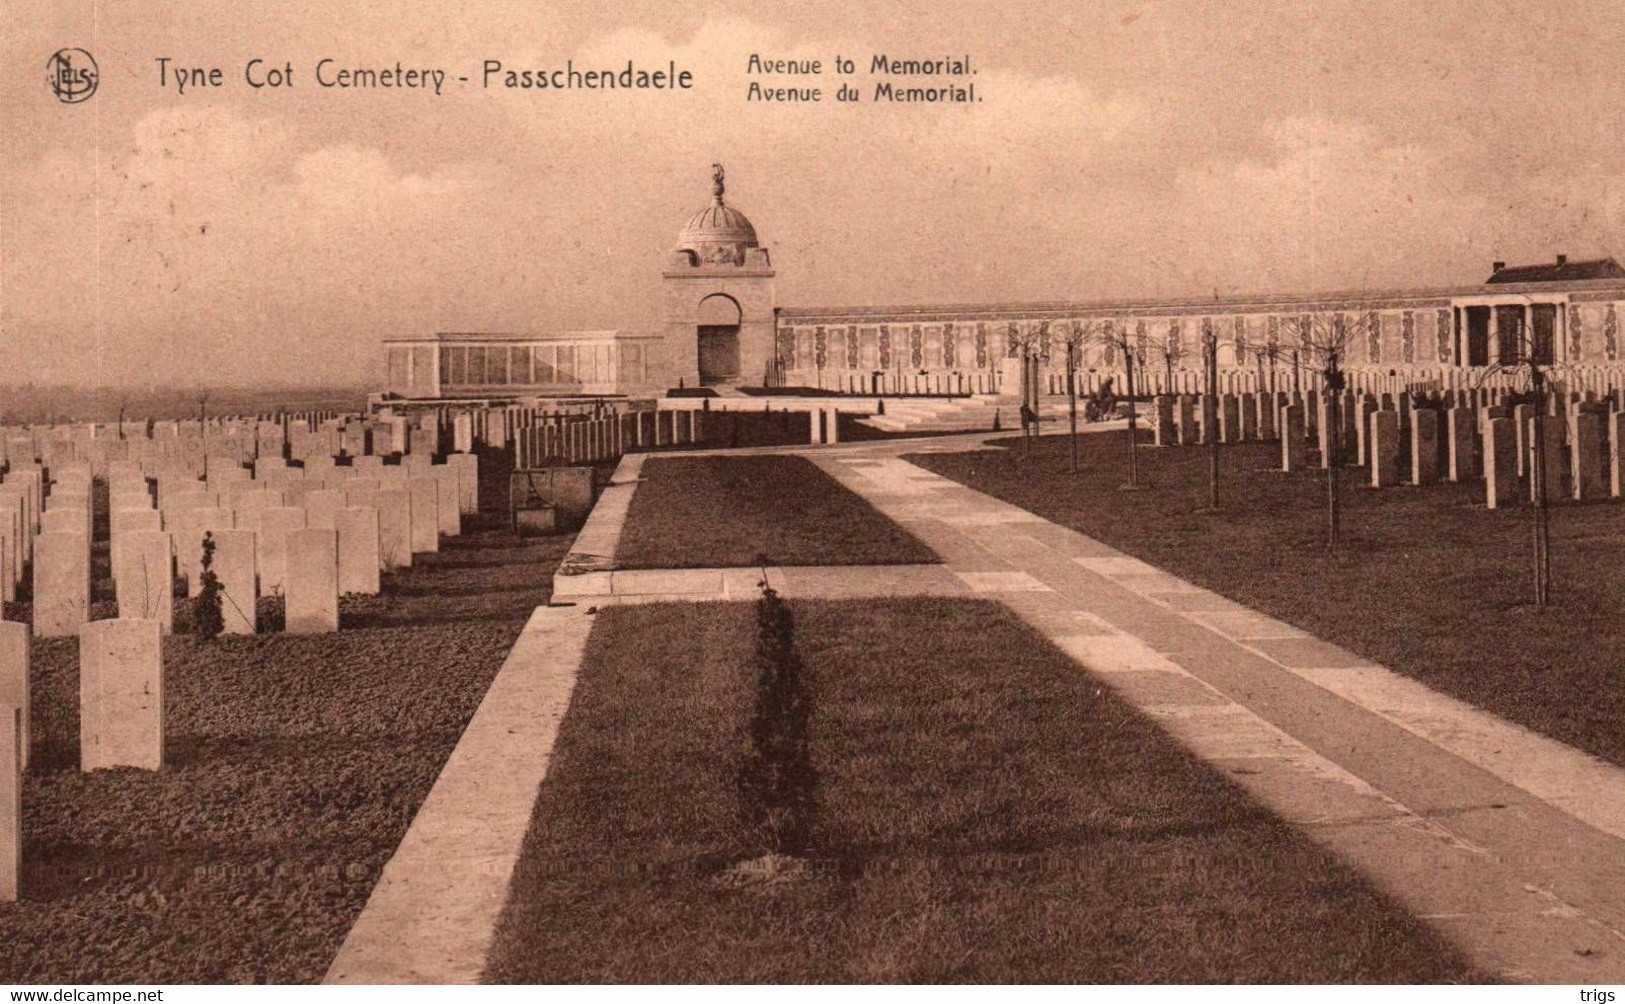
{"x":729,"y":512}
{"x":988,"y":811}
{"x":1426,"y":581}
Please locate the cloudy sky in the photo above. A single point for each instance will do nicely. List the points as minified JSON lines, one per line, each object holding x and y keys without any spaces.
{"x":1121,"y":149}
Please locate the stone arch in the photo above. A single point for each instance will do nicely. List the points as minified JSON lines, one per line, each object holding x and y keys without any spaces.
{"x":719,"y":310}
{"x":718,"y":317}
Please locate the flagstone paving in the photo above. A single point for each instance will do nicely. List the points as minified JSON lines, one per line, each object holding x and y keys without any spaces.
{"x":1509,"y":841}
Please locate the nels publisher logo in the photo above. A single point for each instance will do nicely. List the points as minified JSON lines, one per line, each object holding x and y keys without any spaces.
{"x":73,"y":75}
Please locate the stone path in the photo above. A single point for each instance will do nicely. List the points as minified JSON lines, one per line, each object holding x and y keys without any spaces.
{"x":1511,"y":842}
{"x":433,"y":914}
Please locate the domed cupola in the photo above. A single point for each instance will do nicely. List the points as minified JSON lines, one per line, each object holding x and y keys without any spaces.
{"x":718,"y":234}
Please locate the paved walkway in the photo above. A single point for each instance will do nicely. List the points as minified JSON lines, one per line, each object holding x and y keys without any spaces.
{"x":1512,"y":843}
{"x":432,"y":916}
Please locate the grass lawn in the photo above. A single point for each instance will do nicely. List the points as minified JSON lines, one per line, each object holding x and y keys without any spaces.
{"x":295,"y":764}
{"x":729,"y":512}
{"x":1428,"y":582}
{"x":988,"y":812}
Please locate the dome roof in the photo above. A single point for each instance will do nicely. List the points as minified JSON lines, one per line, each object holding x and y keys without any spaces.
{"x":719,"y":233}
{"x":717,"y":223}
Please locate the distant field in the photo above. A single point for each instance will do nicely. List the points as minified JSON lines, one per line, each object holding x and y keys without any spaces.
{"x":20,"y":405}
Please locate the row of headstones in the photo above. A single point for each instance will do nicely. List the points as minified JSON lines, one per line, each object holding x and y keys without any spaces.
{"x":585,"y":440}
{"x":1578,"y":454}
{"x":121,"y":660}
{"x":1583,"y":447}
{"x":270,"y":539}
{"x":241,"y":442}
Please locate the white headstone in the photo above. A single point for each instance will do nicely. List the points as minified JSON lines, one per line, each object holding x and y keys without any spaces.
{"x":144,"y":577}
{"x":425,"y":515}
{"x":312,"y":585}
{"x":13,"y":757}
{"x":234,"y":564}
{"x":273,"y":527}
{"x":394,"y":527}
{"x":61,"y":583}
{"x":468,"y":475}
{"x":121,"y":695}
{"x":447,"y":501}
{"x":14,"y":689}
{"x":359,"y":550}
{"x":321,"y":506}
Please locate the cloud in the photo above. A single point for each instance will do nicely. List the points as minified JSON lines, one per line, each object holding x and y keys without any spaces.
{"x":242,"y":238}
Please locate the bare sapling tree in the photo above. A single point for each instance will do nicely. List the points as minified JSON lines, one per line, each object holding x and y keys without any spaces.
{"x":1076,"y":336}
{"x":1029,"y":343}
{"x":1116,"y":338}
{"x":1526,"y":360}
{"x":1323,"y":343}
{"x":1172,"y":350}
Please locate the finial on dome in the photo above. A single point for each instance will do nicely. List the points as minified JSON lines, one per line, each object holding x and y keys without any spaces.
{"x":716,"y":183}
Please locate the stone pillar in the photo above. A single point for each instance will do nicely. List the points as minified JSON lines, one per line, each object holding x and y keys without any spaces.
{"x":816,"y":433}
{"x":1384,"y":449}
{"x":1589,"y":476}
{"x":144,"y":577}
{"x":1459,"y":434}
{"x":359,"y":555}
{"x":121,"y":695}
{"x":313,"y":582}
{"x":1266,"y":415}
{"x":14,"y":688}
{"x":1294,"y":446}
{"x":61,"y":583}
{"x":1424,"y":446}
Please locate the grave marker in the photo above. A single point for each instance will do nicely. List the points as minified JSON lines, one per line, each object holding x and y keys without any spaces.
{"x":359,"y":550}
{"x":121,"y":695}
{"x":144,"y":577}
{"x":61,"y":583}
{"x":312,"y":585}
{"x":14,"y":689}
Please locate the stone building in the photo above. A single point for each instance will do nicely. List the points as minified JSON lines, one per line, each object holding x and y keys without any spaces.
{"x":723,"y":327}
